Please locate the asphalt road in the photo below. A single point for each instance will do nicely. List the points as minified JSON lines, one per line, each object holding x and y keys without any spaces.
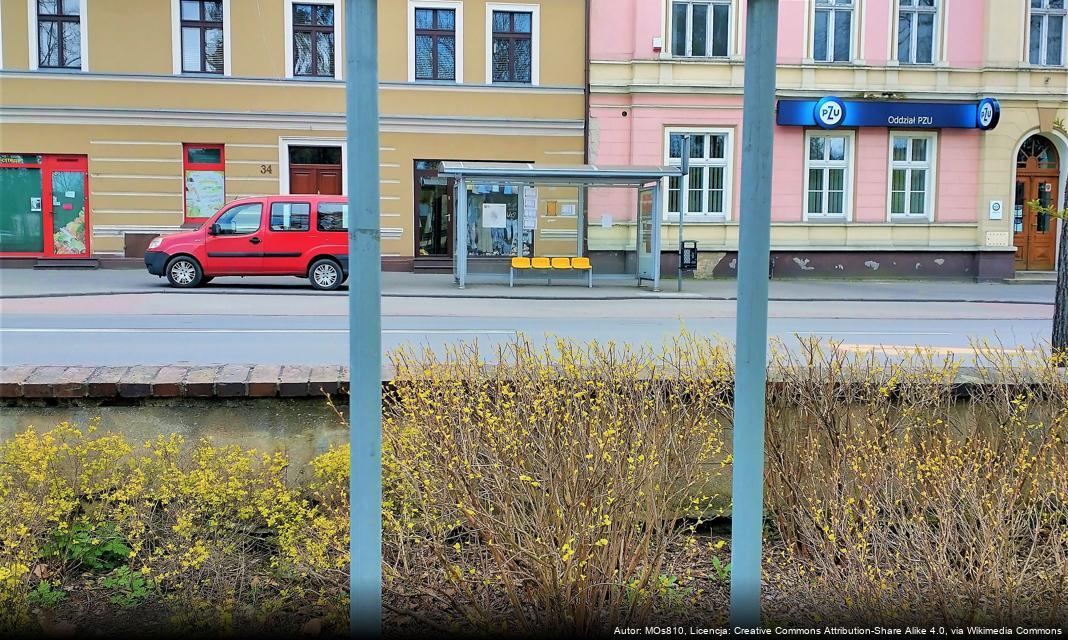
{"x":213,"y":327}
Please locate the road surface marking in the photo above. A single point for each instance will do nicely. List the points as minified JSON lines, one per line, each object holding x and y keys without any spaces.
{"x":874,"y":333}
{"x":232,"y":331}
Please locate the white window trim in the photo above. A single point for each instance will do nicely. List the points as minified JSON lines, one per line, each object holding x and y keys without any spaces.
{"x":937,"y":35}
{"x":728,"y":175}
{"x":669,"y":30}
{"x":339,"y":59}
{"x":854,"y":32}
{"x":458,"y":7}
{"x":850,"y":167}
{"x":1028,"y":13}
{"x":285,"y":143}
{"x":83,"y":27}
{"x":932,"y":175}
{"x":535,"y":41}
{"x":176,"y":41}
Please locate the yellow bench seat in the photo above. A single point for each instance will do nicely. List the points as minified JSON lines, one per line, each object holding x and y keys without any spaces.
{"x":559,"y":263}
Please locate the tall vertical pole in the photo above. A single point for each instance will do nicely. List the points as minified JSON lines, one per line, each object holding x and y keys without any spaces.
{"x":684,"y":199}
{"x":365,"y":320}
{"x":754,"y":248}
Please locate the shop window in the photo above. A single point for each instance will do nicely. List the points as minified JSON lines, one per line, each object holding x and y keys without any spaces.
{"x":912,"y":176}
{"x":313,"y":40}
{"x":833,"y":32}
{"x":916,"y":25}
{"x":21,"y":198}
{"x":513,"y":53}
{"x":435,"y":44}
{"x":205,"y":180}
{"x":709,"y":184}
{"x":700,"y":29}
{"x":1047,"y":32}
{"x":828,"y":175}
{"x":203,"y":48}
{"x":59,"y":34}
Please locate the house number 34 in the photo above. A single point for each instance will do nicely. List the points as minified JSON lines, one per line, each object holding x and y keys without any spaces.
{"x":267,"y":168}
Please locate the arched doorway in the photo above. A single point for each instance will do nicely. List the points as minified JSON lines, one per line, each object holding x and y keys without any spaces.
{"x":1035,"y":237}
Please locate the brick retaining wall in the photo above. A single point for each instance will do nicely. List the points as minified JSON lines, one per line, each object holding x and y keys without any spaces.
{"x":173,"y":381}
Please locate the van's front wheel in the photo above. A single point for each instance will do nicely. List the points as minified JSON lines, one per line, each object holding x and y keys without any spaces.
{"x":184,"y":272}
{"x":325,"y":274}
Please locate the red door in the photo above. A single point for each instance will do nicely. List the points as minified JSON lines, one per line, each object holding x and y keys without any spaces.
{"x":66,"y":206}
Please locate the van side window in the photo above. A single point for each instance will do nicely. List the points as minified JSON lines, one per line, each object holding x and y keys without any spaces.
{"x":333,"y":216}
{"x":290,"y":216}
{"x":240,"y":220}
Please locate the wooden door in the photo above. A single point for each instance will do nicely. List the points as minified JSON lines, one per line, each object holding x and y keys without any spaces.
{"x":315,"y":179}
{"x":1034,"y":234}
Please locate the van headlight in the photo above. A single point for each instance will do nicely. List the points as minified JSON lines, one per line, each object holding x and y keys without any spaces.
{"x":157,"y":241}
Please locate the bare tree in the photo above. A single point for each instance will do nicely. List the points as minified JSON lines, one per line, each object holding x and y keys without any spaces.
{"x":1060,"y":306}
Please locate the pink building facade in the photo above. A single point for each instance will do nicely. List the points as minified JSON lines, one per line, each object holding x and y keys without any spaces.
{"x":876,"y":194}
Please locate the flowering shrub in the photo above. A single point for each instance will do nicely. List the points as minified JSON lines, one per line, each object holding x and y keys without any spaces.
{"x":215,"y":533}
{"x":575,"y":488}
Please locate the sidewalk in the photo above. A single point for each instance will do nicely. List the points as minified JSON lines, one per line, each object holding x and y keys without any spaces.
{"x":21,"y":283}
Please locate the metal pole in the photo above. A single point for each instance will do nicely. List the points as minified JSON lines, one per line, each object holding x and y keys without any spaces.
{"x":684,"y":198}
{"x":754,"y":248}
{"x":365,"y":320}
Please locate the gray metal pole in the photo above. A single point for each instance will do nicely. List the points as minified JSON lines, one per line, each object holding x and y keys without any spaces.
{"x":365,"y":320}
{"x":684,"y":198}
{"x":754,"y":248}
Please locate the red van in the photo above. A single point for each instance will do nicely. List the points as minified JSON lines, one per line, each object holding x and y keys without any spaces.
{"x":305,"y":236}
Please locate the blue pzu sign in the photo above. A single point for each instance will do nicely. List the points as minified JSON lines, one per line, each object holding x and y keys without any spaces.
{"x":832,"y":112}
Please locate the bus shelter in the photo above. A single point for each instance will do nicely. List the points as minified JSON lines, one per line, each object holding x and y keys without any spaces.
{"x":505,"y":210}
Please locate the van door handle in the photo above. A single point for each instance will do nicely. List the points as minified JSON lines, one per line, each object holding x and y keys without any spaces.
{"x":254,"y":240}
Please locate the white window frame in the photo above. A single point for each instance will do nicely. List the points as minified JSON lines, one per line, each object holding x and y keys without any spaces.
{"x":284,"y":143}
{"x":853,"y":9}
{"x":1045,"y":12}
{"x":727,"y":163}
{"x":689,"y":33}
{"x":535,"y":42}
{"x":936,"y":33}
{"x":458,"y":7}
{"x":339,"y":38}
{"x":83,"y":28}
{"x":176,"y":42}
{"x":930,"y":166}
{"x":849,"y":164}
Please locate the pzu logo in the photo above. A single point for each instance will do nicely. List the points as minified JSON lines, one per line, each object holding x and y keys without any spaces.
{"x":829,"y":113}
{"x":989,"y":113}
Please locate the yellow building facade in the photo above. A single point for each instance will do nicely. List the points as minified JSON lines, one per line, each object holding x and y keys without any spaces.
{"x":134,"y":120}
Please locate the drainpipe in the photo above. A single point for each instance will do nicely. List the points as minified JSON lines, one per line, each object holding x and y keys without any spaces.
{"x":584,"y":201}
{"x":586,"y":93}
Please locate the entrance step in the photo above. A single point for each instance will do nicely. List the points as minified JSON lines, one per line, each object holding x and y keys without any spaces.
{"x":1034,"y":277}
{"x":432,"y":265}
{"x":71,"y":263}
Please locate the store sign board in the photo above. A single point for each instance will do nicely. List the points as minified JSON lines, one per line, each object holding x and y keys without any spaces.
{"x":831,"y":112}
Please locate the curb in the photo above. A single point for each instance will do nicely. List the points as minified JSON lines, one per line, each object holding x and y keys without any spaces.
{"x":484,"y":296}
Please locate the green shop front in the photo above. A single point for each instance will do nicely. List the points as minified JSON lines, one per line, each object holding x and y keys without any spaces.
{"x":44,"y":206}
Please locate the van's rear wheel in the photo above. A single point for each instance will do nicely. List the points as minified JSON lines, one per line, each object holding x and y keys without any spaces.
{"x":184,"y":272}
{"x":325,"y":274}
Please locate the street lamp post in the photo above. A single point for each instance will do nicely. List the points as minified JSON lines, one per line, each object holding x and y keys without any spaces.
{"x":684,"y":199}
{"x":754,"y":248}
{"x":365,"y":322}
